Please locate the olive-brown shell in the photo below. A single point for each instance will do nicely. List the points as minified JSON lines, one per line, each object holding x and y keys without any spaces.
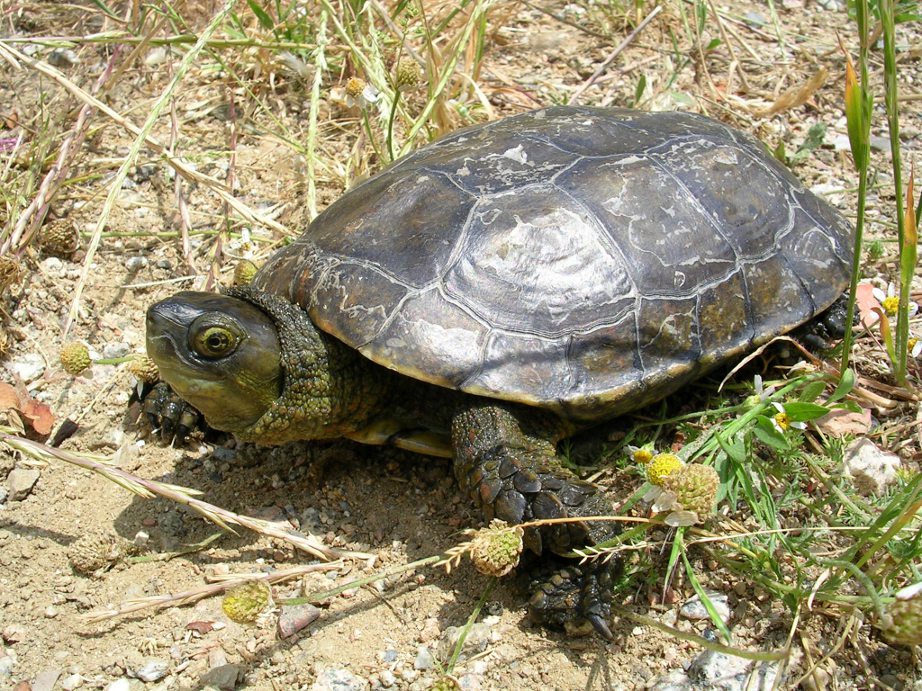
{"x":584,"y":259}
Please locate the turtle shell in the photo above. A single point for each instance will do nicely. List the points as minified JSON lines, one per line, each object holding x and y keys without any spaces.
{"x":586,"y":260}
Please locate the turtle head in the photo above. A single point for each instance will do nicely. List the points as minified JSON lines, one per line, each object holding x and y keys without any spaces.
{"x":221,"y":354}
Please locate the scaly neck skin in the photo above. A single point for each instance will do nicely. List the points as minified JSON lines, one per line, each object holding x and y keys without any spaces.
{"x":329,"y":390}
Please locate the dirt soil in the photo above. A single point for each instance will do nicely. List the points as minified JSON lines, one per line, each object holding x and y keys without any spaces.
{"x":391,"y":505}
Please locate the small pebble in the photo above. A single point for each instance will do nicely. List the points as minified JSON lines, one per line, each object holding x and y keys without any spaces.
{"x":28,"y":367}
{"x":424,"y":659}
{"x":387,"y":678}
{"x":51,"y":612}
{"x":338,"y":679}
{"x":114,"y":350}
{"x":293,"y":619}
{"x":478,"y":636}
{"x":694,"y":609}
{"x":223,"y":677}
{"x":45,"y":680}
{"x":71,"y":682}
{"x":136,"y":263}
{"x":13,"y":633}
{"x":119,"y":685}
{"x":153,"y":670}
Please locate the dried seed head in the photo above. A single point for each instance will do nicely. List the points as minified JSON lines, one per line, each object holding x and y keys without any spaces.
{"x":495,"y":550}
{"x":5,"y":342}
{"x":407,"y":75}
{"x":901,"y":623}
{"x":244,"y":603}
{"x":144,"y":369}
{"x":10,"y":271}
{"x":695,"y":487}
{"x":355,"y":86}
{"x":59,"y":238}
{"x":92,"y":554}
{"x":661,"y":466}
{"x":244,"y":272}
{"x":75,"y":357}
{"x":445,"y":683}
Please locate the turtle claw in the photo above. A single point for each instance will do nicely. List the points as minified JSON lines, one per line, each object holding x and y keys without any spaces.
{"x":576,"y":598}
{"x":600,"y":626}
{"x":170,"y":418}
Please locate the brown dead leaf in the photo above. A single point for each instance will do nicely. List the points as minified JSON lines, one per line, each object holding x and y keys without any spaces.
{"x":202,"y":627}
{"x":796,"y":95}
{"x":8,"y":397}
{"x":838,"y":423}
{"x":37,"y":415}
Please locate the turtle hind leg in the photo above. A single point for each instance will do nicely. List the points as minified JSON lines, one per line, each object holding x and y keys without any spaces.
{"x":506,"y":462}
{"x":829,"y":325}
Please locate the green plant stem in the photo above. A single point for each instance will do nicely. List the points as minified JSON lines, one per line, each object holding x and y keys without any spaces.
{"x":891,"y":98}
{"x":693,"y":638}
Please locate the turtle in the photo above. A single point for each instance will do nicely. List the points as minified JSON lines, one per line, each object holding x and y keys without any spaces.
{"x":504,"y":287}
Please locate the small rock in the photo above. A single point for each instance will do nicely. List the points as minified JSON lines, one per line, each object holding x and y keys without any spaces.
{"x":424,"y":659}
{"x":295,"y":618}
{"x":50,"y":612}
{"x":52,"y":265}
{"x":871,"y":469}
{"x":475,"y":642}
{"x":676,"y":680}
{"x":153,"y":670}
{"x":719,"y":670}
{"x":338,"y":679}
{"x":28,"y":367}
{"x":223,"y":677}
{"x":4,"y":495}
{"x":63,"y":58}
{"x":13,"y":633}
{"x":45,"y":680}
{"x":7,"y":660}
{"x":694,"y":608}
{"x":387,"y":678}
{"x":71,"y":682}
{"x":21,"y":481}
{"x":119,"y":685}
{"x":136,"y":263}
{"x":115,"y":350}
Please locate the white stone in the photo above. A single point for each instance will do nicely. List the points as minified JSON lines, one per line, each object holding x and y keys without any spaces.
{"x":870,"y":468}
{"x":28,"y":366}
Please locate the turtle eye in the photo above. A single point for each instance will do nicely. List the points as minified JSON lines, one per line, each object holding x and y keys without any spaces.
{"x":215,"y":342}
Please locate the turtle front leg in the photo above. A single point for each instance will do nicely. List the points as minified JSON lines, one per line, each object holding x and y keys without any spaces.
{"x":506,"y":461}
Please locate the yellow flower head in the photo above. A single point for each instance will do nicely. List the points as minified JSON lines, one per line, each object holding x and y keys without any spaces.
{"x":661,"y":466}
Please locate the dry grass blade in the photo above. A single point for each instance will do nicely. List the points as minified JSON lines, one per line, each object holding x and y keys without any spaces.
{"x":181,"y":495}
{"x":600,"y":70}
{"x":115,"y":186}
{"x":33,"y":215}
{"x":194,"y":595}
{"x":213,"y":184}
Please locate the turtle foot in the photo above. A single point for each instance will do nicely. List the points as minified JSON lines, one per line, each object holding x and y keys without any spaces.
{"x":170,"y":417}
{"x":828,"y":326}
{"x":576,"y":598}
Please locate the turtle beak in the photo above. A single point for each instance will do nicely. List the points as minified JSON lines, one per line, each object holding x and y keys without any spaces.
{"x":167,"y":326}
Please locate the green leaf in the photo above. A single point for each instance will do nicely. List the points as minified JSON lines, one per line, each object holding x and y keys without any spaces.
{"x":779,"y":153}
{"x":640,"y":88}
{"x":715,"y":42}
{"x":812,"y":391}
{"x":767,"y":434}
{"x":798,"y":411}
{"x":261,"y":14}
{"x":846,"y":384}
